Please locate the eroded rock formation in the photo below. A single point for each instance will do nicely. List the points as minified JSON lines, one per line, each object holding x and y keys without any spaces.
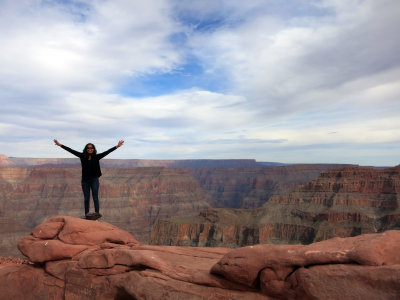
{"x":71,"y":258}
{"x":342,"y":202}
{"x":129,"y":198}
{"x":134,"y":198}
{"x":252,"y":187}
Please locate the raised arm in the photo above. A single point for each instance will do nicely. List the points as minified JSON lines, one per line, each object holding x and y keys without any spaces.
{"x":101,"y":155}
{"x":74,"y":152}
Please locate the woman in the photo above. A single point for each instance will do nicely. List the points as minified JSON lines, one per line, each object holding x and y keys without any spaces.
{"x":90,"y":172}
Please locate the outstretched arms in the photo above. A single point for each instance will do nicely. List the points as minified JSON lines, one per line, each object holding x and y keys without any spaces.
{"x":76,"y":153}
{"x":101,"y":155}
{"x":79,"y":154}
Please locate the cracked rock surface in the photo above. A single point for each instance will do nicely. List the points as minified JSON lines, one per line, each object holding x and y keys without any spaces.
{"x":72,"y":258}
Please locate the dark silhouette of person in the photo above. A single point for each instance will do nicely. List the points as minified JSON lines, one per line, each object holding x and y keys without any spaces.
{"x":90,"y":161}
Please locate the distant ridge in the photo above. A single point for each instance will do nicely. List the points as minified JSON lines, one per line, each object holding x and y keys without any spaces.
{"x":5,"y":161}
{"x":133,"y":163}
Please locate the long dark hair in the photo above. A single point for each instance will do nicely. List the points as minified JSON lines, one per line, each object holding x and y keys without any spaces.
{"x":85,"y":150}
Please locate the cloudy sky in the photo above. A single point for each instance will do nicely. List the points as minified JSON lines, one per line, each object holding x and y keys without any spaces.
{"x":297,"y":81}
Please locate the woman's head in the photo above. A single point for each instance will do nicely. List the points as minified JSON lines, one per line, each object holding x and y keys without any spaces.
{"x":89,"y":149}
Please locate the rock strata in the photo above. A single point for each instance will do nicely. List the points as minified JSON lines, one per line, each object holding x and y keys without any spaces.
{"x":252,"y":187}
{"x":135,"y":198}
{"x":73,"y":258}
{"x":340,"y":203}
{"x":132,"y":199}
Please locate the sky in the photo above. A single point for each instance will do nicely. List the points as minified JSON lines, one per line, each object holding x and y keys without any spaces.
{"x":295,"y":81}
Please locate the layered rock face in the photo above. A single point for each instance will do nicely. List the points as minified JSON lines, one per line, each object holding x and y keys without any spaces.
{"x":340,"y":203}
{"x":71,"y":258}
{"x":129,"y":198}
{"x":344,"y":202}
{"x":252,"y":187}
{"x":134,"y":198}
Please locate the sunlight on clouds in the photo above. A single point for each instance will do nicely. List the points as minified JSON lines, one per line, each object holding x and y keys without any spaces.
{"x":300,"y":81}
{"x":115,"y":38}
{"x":196,"y":109}
{"x":278,"y":65}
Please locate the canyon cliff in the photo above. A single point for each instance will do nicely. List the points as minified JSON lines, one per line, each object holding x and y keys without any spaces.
{"x":340,"y":203}
{"x":135,"y":198}
{"x":71,"y":258}
{"x":129,"y":198}
{"x":252,"y":187}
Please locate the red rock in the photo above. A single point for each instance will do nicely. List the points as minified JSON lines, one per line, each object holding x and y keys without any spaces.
{"x":27,"y":282}
{"x":64,"y":237}
{"x":10,"y":261}
{"x":361,"y":267}
{"x":276,"y":263}
{"x":39,"y":251}
{"x":345,"y":282}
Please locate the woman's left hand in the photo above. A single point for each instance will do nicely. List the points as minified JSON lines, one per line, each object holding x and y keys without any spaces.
{"x":120,"y":143}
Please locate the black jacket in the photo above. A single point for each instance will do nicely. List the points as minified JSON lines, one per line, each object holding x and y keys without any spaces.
{"x":90,"y":168}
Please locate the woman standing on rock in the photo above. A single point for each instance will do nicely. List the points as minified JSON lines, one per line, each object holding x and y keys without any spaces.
{"x":91,"y":172}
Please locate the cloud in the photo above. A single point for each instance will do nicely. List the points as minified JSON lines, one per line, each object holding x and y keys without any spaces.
{"x":48,"y":45}
{"x":203,"y":79}
{"x":279,"y":63}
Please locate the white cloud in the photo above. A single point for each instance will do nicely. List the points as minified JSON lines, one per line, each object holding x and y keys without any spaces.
{"x":45,"y":46}
{"x":278,"y":64}
{"x":307,"y":81}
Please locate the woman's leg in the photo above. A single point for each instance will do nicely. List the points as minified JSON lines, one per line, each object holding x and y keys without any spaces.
{"x":86,"y":194}
{"x":95,"y":194}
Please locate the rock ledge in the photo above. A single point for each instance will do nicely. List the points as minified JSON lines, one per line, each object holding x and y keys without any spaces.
{"x":80,"y":259}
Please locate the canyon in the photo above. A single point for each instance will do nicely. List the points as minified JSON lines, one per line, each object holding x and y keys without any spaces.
{"x":343,"y":202}
{"x":130,"y":198}
{"x":136,"y":198}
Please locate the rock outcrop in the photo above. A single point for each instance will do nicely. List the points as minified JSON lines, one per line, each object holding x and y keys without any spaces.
{"x":71,"y":258}
{"x":340,"y":203}
{"x":362,"y":267}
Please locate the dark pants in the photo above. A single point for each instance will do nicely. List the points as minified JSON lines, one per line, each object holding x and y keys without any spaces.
{"x":87,"y":185}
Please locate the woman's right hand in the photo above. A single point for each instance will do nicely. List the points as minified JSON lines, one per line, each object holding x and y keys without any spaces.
{"x":56,"y":142}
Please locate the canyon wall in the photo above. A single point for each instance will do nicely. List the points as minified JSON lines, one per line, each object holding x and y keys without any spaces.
{"x":135,"y":198}
{"x":129,"y":198}
{"x":342,"y":202}
{"x":252,"y":187}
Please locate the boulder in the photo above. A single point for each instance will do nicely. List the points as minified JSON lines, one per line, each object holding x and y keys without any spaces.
{"x":289,"y":271}
{"x":96,"y":260}
{"x":64,"y":237}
